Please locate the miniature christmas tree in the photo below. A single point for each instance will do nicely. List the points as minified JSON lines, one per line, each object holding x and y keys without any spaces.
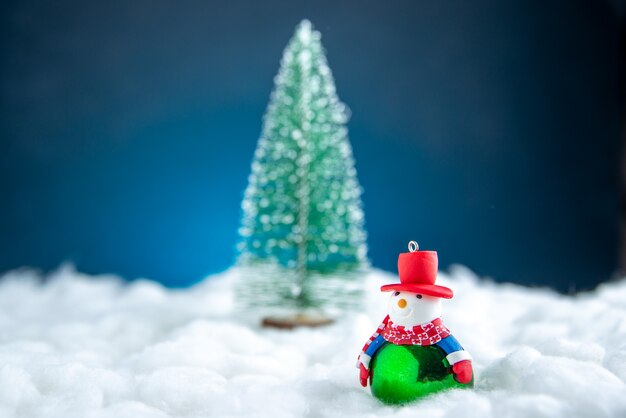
{"x":302,"y":227}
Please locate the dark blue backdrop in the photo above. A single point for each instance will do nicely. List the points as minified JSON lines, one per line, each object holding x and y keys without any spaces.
{"x":487,"y":130}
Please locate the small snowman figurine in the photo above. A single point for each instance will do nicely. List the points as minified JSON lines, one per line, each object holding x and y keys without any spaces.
{"x":412,"y":354}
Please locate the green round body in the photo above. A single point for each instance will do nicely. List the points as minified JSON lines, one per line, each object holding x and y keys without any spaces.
{"x":403,"y":373}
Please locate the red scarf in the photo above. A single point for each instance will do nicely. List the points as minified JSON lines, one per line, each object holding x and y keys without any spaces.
{"x":427,"y":334}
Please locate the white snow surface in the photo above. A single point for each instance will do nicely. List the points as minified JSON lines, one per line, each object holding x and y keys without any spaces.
{"x":74,"y":345}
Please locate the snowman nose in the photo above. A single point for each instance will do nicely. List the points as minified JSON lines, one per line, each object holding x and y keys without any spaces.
{"x":402,"y":303}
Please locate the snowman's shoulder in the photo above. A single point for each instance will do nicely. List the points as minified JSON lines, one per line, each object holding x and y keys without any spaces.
{"x":449,"y":344}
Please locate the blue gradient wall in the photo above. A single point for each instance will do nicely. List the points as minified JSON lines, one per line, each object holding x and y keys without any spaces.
{"x":486,"y":130}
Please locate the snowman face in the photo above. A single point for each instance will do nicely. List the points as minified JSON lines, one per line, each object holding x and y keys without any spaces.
{"x":409,"y":309}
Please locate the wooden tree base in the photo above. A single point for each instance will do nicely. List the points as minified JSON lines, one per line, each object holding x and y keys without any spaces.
{"x":295,"y":321}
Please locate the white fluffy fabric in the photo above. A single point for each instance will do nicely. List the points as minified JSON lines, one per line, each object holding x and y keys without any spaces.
{"x":81,"y":346}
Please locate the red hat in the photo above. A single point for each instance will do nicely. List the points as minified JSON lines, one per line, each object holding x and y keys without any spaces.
{"x":418,"y":271}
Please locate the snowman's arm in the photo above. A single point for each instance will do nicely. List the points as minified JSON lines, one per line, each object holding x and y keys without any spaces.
{"x":367,"y":355}
{"x":454,"y":351}
{"x":372,"y":345}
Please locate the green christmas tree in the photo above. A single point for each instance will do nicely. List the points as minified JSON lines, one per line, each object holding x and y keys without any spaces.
{"x":302,"y":226}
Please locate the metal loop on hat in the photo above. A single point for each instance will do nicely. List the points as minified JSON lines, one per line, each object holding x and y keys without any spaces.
{"x":413,"y":246}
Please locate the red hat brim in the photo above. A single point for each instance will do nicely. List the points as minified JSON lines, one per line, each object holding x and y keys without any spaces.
{"x":426,"y":289}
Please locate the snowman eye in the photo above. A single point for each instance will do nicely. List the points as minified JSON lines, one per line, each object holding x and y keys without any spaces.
{"x":396,"y":293}
{"x":418,"y":296}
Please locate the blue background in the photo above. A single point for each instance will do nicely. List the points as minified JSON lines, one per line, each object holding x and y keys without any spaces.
{"x":487,"y":130}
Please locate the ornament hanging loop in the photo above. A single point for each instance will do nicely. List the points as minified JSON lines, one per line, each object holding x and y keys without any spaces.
{"x":413,"y":246}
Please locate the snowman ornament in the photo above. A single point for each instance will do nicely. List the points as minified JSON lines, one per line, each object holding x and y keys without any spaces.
{"x":412,"y":354}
